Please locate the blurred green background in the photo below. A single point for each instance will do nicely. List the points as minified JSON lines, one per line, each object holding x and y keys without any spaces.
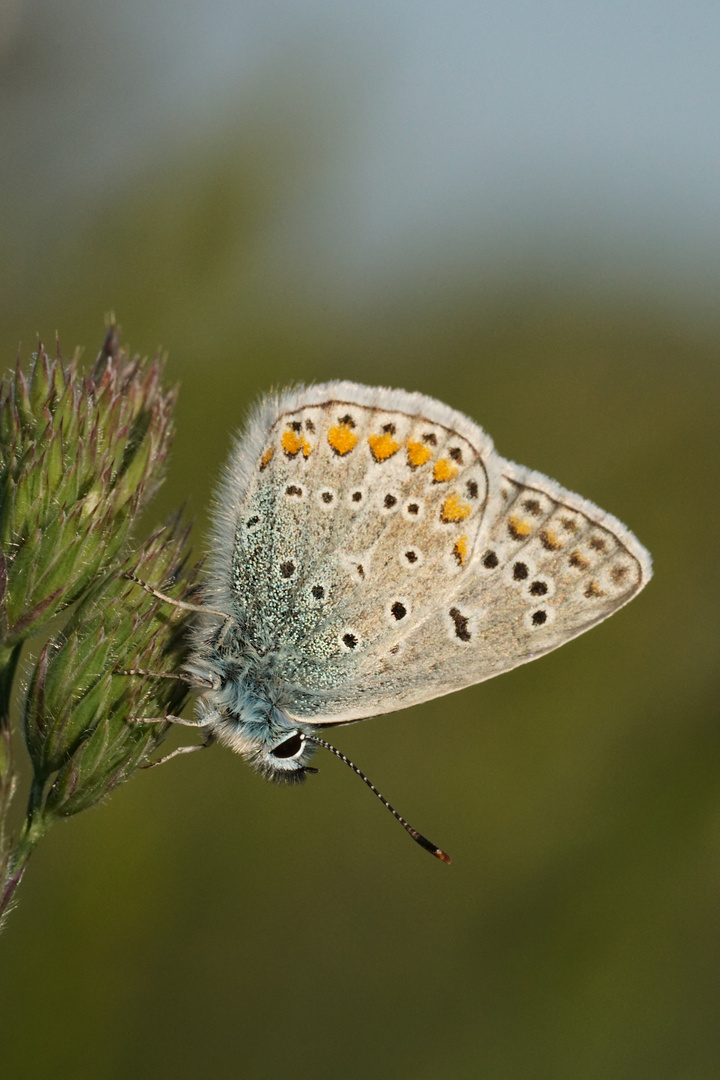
{"x":512,"y":208}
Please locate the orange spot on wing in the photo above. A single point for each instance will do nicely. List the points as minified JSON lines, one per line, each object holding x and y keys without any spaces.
{"x":383,"y":446}
{"x":267,"y":457}
{"x":460,"y":551}
{"x":454,"y":509}
{"x":550,"y":540}
{"x":293,"y":443}
{"x":418,"y":453}
{"x":444,"y":470}
{"x":342,"y":439}
{"x":518,"y":527}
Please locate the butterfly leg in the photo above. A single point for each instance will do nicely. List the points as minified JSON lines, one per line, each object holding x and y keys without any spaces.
{"x":165,"y":720}
{"x":195,"y":681}
{"x":183,"y":605}
{"x":207,"y":741}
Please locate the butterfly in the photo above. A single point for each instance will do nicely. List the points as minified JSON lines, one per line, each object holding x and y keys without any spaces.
{"x":371,"y":550}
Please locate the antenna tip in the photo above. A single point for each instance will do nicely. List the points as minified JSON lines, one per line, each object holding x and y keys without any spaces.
{"x":429,"y":846}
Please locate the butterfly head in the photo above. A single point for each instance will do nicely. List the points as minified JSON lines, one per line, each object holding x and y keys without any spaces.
{"x":274,"y":744}
{"x":285,"y":760}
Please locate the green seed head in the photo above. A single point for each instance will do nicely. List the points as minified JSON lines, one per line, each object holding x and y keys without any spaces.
{"x":79,"y":457}
{"x":80,"y":710}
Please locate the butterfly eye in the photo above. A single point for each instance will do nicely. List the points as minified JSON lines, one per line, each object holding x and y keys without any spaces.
{"x":290,"y":748}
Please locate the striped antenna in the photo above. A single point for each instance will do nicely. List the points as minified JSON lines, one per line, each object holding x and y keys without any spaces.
{"x":417,"y":837}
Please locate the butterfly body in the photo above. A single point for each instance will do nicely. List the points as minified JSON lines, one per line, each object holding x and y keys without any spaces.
{"x":371,"y":550}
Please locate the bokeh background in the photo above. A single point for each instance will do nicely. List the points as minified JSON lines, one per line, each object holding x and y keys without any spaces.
{"x":513,"y":207}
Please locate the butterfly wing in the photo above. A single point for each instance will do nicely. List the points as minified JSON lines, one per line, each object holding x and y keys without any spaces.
{"x":381,"y":550}
{"x":346,"y":516}
{"x":550,"y":567}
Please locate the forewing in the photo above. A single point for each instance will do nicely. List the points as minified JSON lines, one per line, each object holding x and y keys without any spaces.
{"x":358,"y":514}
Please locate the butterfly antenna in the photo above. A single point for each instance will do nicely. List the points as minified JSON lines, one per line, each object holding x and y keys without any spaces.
{"x":417,"y":837}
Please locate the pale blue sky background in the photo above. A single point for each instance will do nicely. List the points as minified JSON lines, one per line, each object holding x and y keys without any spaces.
{"x":520,"y":132}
